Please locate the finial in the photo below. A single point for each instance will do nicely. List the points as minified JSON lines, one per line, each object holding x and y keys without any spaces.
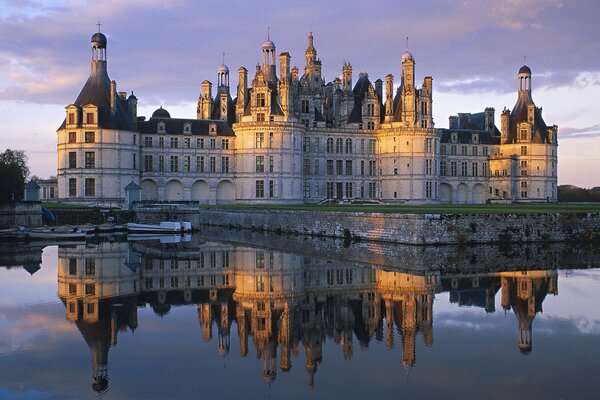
{"x":98,"y":24}
{"x":525,"y":59}
{"x":407,"y":43}
{"x":268,"y":33}
{"x":223,"y":58}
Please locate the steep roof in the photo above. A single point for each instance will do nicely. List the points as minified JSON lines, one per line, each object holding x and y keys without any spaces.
{"x":465,"y":136}
{"x":174,"y":126}
{"x":359,"y":92}
{"x":519,"y":114}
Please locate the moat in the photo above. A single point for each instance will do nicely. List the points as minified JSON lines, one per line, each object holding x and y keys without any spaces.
{"x":231,"y":314}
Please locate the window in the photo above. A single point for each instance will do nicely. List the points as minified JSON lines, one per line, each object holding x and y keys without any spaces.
{"x":72,"y":137}
{"x":260,"y":189}
{"x":317,"y":145}
{"x":187,"y":143}
{"x":453,"y":150}
{"x":428,"y":164}
{"x":305,"y":106}
{"x":348,"y":167}
{"x":443,"y":150}
{"x":339,"y":143}
{"x":372,"y":190}
{"x":523,"y":150}
{"x":371,"y":148}
{"x":485,"y":151}
{"x":443,"y":167}
{"x":134,"y":160}
{"x":225,"y":165}
{"x":212,"y":164}
{"x":187,"y":163}
{"x":260,"y":163}
{"x":225,"y":144}
{"x":161,"y":163}
{"x":260,"y":100}
{"x":90,"y":137}
{"x":339,"y":167}
{"x":260,"y":117}
{"x":474,"y":151}
{"x":72,"y":288}
{"x":213,"y":143}
{"x":200,"y":164}
{"x":90,"y":289}
{"x":271,"y":166}
{"x":306,"y":145}
{"x":90,"y":187}
{"x":349,"y":190}
{"x":329,"y":167}
{"x":370,"y":125}
{"x":372,"y":167}
{"x":71,"y":118}
{"x":453,"y":168}
{"x":174,"y":142}
{"x":90,"y":266}
{"x":161,"y":142}
{"x":428,"y":145}
{"x":348,"y":146}
{"x":306,"y":166}
{"x":72,"y":159}
{"x":317,"y":166}
{"x":484,"y":169}
{"x":147,"y":163}
{"x":174,"y":163}
{"x":523,"y":136}
{"x":474,"y":169}
{"x":148,"y":141}
{"x":270,"y":140}
{"x":463,"y":150}
{"x":200,"y":143}
{"x":428,"y":190}
{"x":370,"y":110}
{"x":330,"y":145}
{"x":330,"y":190}
{"x":306,"y":187}
{"x":72,"y":266}
{"x":89,"y":118}
{"x":90,"y":159}
{"x":260,"y":138}
{"x":463,"y":168}
{"x":271,"y":188}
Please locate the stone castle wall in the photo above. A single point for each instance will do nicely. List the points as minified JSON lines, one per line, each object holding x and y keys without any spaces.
{"x":28,"y":214}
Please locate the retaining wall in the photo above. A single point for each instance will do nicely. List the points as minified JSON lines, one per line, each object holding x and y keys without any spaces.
{"x":28,"y":214}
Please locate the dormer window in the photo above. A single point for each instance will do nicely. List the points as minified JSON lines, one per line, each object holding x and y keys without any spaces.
{"x":187,"y":129}
{"x":89,"y":118}
{"x":90,"y":115}
{"x":260,"y":100}
{"x":454,"y":137}
{"x":160,"y":128}
{"x":212,"y":129}
{"x":475,"y":138}
{"x":71,"y":119}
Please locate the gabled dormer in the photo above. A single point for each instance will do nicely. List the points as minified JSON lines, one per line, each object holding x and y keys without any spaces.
{"x":90,"y":116}
{"x":72,"y":116}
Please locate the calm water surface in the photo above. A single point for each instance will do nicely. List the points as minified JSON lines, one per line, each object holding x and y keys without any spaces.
{"x":227,"y":319}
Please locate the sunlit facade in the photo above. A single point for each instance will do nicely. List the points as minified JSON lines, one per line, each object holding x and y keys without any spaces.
{"x":292,"y":137}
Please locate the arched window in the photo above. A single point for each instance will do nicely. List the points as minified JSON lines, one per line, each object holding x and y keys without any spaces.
{"x":349,"y":146}
{"x":330,"y":145}
{"x":339,"y":145}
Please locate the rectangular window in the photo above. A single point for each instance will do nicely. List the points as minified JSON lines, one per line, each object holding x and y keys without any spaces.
{"x":89,"y":118}
{"x":72,"y":288}
{"x":260,"y":163}
{"x":306,"y":186}
{"x":372,"y":167}
{"x":443,"y":150}
{"x":349,"y":190}
{"x":213,"y":143}
{"x":453,"y":168}
{"x":523,"y":137}
{"x":161,"y":142}
{"x":317,"y":167}
{"x":161,"y":163}
{"x":348,"y":167}
{"x":362,"y":167}
{"x":306,"y":166}
{"x":330,"y":190}
{"x":523,"y":150}
{"x":212,"y":164}
{"x":90,"y":187}
{"x":371,"y":146}
{"x":72,"y":159}
{"x":134,"y":160}
{"x":72,"y":137}
{"x":339,"y":167}
{"x":71,"y":118}
{"x":72,"y":266}
{"x":271,"y":188}
{"x":271,"y":166}
{"x":485,"y":150}
{"x":148,"y":163}
{"x":316,"y":145}
{"x":225,"y":144}
{"x":270,"y":139}
{"x":187,"y":163}
{"x":306,"y":145}
{"x":453,"y":150}
{"x":200,"y":164}
{"x":463,"y":150}
{"x":225,"y":165}
{"x":90,"y":137}
{"x":474,"y":151}
{"x":362,"y":145}
{"x":443,"y":171}
{"x":200,"y":143}
{"x":428,"y":189}
{"x":372,"y":190}
{"x":174,"y":163}
{"x":260,"y":138}
{"x":428,"y":168}
{"x":474,"y":169}
{"x":484,"y":169}
{"x":174,"y":142}
{"x":148,"y":141}
{"x":187,"y":143}
{"x":329,"y":167}
{"x":463,"y":168}
{"x":90,"y":266}
{"x":90,"y":159}
{"x":428,"y":145}
{"x":260,"y":189}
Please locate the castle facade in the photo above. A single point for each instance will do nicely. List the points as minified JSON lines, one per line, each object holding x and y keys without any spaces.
{"x":288,"y":137}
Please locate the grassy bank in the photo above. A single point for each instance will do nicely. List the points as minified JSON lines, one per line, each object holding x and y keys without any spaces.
{"x":428,"y":209}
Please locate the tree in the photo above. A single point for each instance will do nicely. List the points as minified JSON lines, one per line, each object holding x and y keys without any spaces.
{"x":13,"y":173}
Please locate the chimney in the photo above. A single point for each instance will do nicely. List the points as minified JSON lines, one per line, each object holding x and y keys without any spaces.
{"x":379,"y":89}
{"x":113,"y":95}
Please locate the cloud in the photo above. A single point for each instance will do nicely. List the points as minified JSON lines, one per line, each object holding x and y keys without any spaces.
{"x":572,"y":133}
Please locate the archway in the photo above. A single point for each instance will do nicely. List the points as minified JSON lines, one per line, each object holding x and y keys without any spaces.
{"x":462,"y":194}
{"x":478,"y":194}
{"x":200,"y":192}
{"x":149,"y":190}
{"x":446,"y":193}
{"x":174,"y":190}
{"x":225,"y":192}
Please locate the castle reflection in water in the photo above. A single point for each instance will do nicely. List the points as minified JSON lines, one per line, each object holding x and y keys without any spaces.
{"x":285,"y":303}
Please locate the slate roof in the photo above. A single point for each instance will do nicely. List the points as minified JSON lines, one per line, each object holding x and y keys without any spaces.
{"x":519,"y":114}
{"x":216,"y":111}
{"x":465,"y":136}
{"x":174,"y":126}
{"x":359,"y":92}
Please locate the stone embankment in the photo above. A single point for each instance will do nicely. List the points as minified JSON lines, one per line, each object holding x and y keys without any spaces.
{"x":414,"y":229}
{"x":28,"y":214}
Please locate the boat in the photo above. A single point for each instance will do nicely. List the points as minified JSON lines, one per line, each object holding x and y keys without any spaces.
{"x":53,"y":234}
{"x":163,"y":227}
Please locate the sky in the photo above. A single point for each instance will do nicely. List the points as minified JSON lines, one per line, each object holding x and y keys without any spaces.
{"x":163,"y":50}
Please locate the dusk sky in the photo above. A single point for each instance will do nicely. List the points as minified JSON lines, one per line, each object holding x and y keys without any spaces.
{"x":163,"y":50}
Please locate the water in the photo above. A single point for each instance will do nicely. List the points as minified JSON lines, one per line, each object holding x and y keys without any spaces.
{"x":255,"y":316}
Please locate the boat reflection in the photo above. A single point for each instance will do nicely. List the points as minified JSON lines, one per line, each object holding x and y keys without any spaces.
{"x":283,"y":302}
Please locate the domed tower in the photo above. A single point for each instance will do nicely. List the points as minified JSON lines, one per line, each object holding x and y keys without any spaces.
{"x":87,"y":173}
{"x":524,"y":79}
{"x":223,"y":108}
{"x":268,"y":61}
{"x":223,"y":76}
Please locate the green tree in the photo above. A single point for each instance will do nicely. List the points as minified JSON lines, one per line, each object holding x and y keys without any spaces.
{"x":13,"y":173}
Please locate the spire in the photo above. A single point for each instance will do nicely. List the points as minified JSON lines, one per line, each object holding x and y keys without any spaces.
{"x":311,"y":52}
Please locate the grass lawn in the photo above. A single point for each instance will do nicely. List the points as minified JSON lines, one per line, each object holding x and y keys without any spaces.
{"x":427,"y":209}
{"x":53,"y":205}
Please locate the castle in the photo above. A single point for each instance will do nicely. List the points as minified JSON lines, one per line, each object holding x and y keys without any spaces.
{"x":291,"y":138}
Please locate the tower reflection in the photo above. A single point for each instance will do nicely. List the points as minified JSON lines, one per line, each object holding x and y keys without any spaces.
{"x":284,"y":303}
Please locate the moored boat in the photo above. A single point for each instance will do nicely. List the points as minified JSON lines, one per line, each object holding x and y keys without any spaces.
{"x":163,"y":227}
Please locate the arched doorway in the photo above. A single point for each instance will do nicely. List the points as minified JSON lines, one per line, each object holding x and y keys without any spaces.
{"x":225,"y":192}
{"x":446,"y":193}
{"x":149,"y":190}
{"x":478,"y":194}
{"x":174,"y":190}
{"x":462,"y":194}
{"x":200,"y":192}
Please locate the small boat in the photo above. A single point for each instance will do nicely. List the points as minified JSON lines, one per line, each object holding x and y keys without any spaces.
{"x":163,"y":227}
{"x":52,"y":234}
{"x":186,"y":226}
